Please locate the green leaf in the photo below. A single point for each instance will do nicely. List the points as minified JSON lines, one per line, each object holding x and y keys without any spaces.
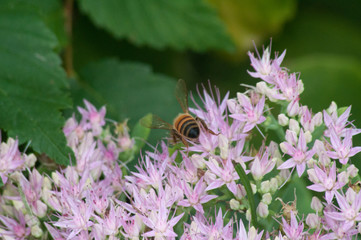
{"x":161,"y":23}
{"x":245,"y":182}
{"x":50,"y":11}
{"x":130,"y":90}
{"x":31,"y":83}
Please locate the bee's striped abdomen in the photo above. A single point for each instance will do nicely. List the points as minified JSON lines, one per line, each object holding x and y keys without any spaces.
{"x":187,"y":126}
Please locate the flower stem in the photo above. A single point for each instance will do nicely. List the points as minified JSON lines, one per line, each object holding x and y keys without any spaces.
{"x":244,"y":180}
{"x":68,"y":55}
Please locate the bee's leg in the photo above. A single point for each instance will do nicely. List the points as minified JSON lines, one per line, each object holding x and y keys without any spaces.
{"x":204,"y":125}
{"x":176,"y":136}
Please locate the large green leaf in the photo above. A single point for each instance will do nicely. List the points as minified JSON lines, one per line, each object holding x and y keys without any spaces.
{"x":161,"y":23}
{"x":130,"y":90}
{"x":31,"y":83}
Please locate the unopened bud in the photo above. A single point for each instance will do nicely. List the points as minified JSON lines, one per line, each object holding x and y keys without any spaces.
{"x":36,"y":231}
{"x":241,"y":191}
{"x":283,"y":120}
{"x":352,"y":171}
{"x":248,"y":215}
{"x":332,"y":108}
{"x":209,"y":177}
{"x":30,"y":160}
{"x":317,"y":119}
{"x":234,"y":204}
{"x":283,"y":147}
{"x":54,"y":176}
{"x":316,"y":204}
{"x":254,"y":188}
{"x":262,"y":210}
{"x":311,"y":162}
{"x":300,"y":86}
{"x":312,"y":220}
{"x":291,"y":137}
{"x":294,"y":126}
{"x":262,"y":87}
{"x":312,"y":176}
{"x":265,"y":186}
{"x":293,"y":108}
{"x":232,"y":105}
{"x":274,"y":185}
{"x":350,"y":195}
{"x":308,"y":136}
{"x":267,"y":198}
{"x":198,"y":161}
{"x":223,"y":146}
{"x":343,"y":177}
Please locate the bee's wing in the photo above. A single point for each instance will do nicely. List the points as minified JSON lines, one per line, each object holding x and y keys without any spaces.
{"x":155,"y":122}
{"x":182,"y":95}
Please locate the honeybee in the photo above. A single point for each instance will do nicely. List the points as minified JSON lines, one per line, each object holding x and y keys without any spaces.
{"x":185,"y":126}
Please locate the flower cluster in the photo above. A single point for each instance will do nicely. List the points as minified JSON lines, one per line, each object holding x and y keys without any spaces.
{"x":196,"y":191}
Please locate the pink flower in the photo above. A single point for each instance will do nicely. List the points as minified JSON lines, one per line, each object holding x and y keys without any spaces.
{"x":299,"y":155}
{"x":32,"y":192}
{"x":343,"y":147}
{"x":56,"y":233}
{"x":159,"y":224}
{"x":91,"y":118}
{"x":327,"y":182}
{"x":339,"y":124}
{"x":227,"y":175}
{"x":216,"y":230}
{"x":265,"y":67}
{"x":349,"y":211}
{"x":10,"y":159}
{"x":196,"y":197}
{"x":77,"y":218}
{"x":308,"y":122}
{"x":250,"y":114}
{"x":289,"y":85}
{"x":149,"y":174}
{"x":14,"y":229}
{"x":261,"y":167}
{"x":294,"y":230}
{"x":251,"y":235}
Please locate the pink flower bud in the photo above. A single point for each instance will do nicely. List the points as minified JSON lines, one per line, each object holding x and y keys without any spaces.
{"x":343,"y":177}
{"x":291,"y":137}
{"x":312,"y":176}
{"x":262,"y":210}
{"x":232,"y":105}
{"x":350,"y":195}
{"x":223,"y":146}
{"x":293,"y":108}
{"x":312,"y":220}
{"x":352,"y":171}
{"x":300,"y":86}
{"x":317,"y":119}
{"x":316,"y":204}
